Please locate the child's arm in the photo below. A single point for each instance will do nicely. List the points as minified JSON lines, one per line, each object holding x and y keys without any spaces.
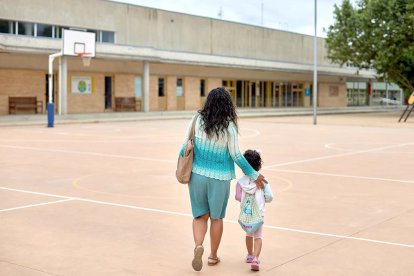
{"x":238,"y":192}
{"x":268,"y":194}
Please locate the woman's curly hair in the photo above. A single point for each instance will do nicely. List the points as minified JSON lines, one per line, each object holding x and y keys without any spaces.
{"x":218,"y":112}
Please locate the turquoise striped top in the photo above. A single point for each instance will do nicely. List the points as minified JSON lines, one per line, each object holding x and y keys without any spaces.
{"x":214,"y":157}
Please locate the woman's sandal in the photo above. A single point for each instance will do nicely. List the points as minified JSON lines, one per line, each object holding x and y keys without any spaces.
{"x":197,"y":261}
{"x":213,"y":261}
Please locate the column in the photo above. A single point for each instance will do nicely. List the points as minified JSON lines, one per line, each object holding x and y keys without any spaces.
{"x":146,"y":80}
{"x":64,"y":85}
{"x":60,"y":67}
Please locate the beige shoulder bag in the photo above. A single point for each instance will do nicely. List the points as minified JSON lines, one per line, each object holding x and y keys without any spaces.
{"x":185,"y":162}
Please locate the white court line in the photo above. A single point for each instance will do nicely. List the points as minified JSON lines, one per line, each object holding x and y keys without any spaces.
{"x":330,"y":146}
{"x":226,"y":220}
{"x":335,"y":155}
{"x":344,"y":175}
{"x":35,"y":193}
{"x":89,"y":153}
{"x":35,"y":205}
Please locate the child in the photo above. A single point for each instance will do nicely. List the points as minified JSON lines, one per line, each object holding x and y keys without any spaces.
{"x":246,"y":185}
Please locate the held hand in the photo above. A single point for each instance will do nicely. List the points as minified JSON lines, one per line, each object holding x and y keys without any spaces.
{"x":260,"y":181}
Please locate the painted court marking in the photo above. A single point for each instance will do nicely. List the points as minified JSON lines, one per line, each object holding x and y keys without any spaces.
{"x":335,"y":155}
{"x":34,"y":205}
{"x":88,"y":153}
{"x":75,"y":183}
{"x":344,"y":175}
{"x":333,"y":147}
{"x":189,"y":215}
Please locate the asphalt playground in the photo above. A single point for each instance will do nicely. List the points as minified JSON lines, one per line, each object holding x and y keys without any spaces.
{"x":102,"y":199}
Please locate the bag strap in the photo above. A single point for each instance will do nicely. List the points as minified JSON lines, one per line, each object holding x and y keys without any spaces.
{"x":192,"y":133}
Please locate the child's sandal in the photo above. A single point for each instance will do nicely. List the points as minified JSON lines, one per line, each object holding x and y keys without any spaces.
{"x":213,"y":261}
{"x":255,"y":265}
{"x":249,"y":258}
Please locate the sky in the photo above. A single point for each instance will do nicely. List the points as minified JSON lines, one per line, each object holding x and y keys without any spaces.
{"x":289,"y":15}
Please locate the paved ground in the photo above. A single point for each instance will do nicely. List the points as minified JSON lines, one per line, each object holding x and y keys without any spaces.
{"x":101,"y":199}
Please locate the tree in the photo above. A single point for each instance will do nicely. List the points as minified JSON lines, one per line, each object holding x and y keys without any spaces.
{"x":377,"y":34}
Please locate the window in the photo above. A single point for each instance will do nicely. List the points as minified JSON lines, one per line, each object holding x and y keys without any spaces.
{"x":25,"y":28}
{"x":52,"y":31}
{"x":202,"y":88}
{"x":161,"y":87}
{"x":59,"y":31}
{"x":44,"y":30}
{"x":138,"y":87}
{"x":108,"y":37}
{"x":7,"y":27}
{"x":179,"y":88}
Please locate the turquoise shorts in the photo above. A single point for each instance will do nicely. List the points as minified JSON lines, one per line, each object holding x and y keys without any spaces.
{"x":208,"y":195}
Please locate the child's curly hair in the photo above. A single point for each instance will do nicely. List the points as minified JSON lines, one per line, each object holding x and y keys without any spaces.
{"x":254,"y":159}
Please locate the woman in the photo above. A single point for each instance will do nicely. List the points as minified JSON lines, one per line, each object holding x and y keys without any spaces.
{"x":215,"y":151}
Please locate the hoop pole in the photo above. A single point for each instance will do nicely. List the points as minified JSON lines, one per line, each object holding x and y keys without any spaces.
{"x":50,"y":105}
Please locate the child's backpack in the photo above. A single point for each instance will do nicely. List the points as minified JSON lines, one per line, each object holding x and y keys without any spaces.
{"x":250,"y":218}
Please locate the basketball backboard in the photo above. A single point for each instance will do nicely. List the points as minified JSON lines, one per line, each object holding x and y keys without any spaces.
{"x":78,"y":43}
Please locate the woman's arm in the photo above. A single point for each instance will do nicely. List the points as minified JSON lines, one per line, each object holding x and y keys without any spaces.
{"x":238,"y":158}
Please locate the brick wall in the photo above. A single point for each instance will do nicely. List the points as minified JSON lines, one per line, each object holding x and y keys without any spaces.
{"x":171,"y":93}
{"x":124,"y":85}
{"x":332,"y":95}
{"x":213,"y":83}
{"x":153,"y":93}
{"x":21,"y":83}
{"x":86,"y":103}
{"x":192,"y":93}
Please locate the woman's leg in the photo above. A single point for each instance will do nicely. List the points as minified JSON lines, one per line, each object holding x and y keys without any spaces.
{"x":200,"y":228}
{"x":199,"y":232}
{"x":218,"y":196}
{"x":216,"y":231}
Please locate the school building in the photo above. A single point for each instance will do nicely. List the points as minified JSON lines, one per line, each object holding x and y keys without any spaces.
{"x":158,"y":60}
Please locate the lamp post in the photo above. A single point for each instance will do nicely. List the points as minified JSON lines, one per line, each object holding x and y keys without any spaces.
{"x":315,"y":69}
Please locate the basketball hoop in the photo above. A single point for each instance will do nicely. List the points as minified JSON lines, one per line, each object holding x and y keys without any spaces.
{"x":86,"y":58}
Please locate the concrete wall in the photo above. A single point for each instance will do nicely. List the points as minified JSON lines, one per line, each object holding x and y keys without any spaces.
{"x":140,"y":26}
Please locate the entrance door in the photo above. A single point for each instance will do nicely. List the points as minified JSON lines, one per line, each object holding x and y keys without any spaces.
{"x":108,"y":92}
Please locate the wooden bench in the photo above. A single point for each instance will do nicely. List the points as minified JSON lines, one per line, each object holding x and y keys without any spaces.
{"x":125,"y":104}
{"x":25,"y":103}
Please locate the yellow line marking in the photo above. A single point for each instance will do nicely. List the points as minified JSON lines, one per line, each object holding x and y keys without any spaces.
{"x":289,"y":183}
